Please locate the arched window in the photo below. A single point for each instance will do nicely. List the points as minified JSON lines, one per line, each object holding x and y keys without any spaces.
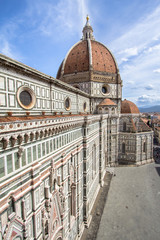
{"x":106,"y":110}
{"x":100,"y":110}
{"x":124,"y":126}
{"x":123,"y":148}
{"x":144,"y":147}
{"x":73,"y":199}
{"x":93,"y":160}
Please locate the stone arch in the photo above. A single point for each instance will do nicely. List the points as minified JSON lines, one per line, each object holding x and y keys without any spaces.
{"x":49,"y":131}
{"x":45,"y":132}
{"x":37,"y":135}
{"x":19,"y":139}
{"x":31,"y":136}
{"x":106,"y":110}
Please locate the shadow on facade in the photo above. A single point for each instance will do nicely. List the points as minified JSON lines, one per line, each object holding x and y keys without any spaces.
{"x":158,"y":170}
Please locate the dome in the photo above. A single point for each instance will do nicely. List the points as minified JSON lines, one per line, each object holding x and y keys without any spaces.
{"x":107,"y":102}
{"x":79,"y":58}
{"x":86,"y":55}
{"x":129,"y":107}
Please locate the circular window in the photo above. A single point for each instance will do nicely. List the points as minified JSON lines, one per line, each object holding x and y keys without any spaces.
{"x":105,"y":89}
{"x":84,"y":106}
{"x":67,"y":104}
{"x":26,"y":97}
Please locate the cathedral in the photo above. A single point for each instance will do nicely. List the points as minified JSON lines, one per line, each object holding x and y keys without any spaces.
{"x":58,"y":136}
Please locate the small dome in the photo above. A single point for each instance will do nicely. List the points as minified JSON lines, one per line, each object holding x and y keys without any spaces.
{"x":107,"y":102}
{"x":129,"y":107}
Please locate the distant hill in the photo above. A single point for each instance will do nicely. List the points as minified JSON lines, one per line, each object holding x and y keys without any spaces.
{"x":150,"y":109}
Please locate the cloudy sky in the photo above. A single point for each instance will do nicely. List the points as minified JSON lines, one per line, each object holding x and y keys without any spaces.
{"x":39,"y":33}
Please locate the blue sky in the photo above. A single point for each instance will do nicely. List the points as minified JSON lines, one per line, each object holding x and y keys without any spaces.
{"x":39,"y":33}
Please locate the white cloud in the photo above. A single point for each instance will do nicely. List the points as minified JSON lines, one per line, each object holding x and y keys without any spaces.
{"x":61,"y":19}
{"x":149,"y":87}
{"x":143,"y":54}
{"x":141,"y":34}
{"x":156,"y":70}
{"x":156,"y":47}
{"x":129,"y":52}
{"x":148,"y":100}
{"x":124,"y":59}
{"x":7,"y":49}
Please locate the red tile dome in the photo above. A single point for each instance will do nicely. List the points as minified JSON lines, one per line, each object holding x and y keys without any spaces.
{"x":86,"y":55}
{"x":129,"y":107}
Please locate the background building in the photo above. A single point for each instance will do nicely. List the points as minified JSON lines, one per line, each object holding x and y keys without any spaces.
{"x":57,"y":137}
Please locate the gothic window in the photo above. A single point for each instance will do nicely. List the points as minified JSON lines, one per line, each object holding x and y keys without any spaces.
{"x":84,"y":106}
{"x":113,"y":110}
{"x":93,"y":160}
{"x":124,"y":126}
{"x":73,"y":199}
{"x":144,"y":147}
{"x":123,"y":148}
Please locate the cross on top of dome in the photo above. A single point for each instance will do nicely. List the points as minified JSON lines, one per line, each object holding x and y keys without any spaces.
{"x":87,"y":30}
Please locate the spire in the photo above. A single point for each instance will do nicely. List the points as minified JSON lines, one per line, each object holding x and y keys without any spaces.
{"x":87,"y":30}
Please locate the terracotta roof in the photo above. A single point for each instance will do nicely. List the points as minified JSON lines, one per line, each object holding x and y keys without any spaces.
{"x":129,"y":107}
{"x":40,"y":117}
{"x":145,"y":120}
{"x":107,"y":102}
{"x":102,"y":59}
{"x":143,"y":126}
{"x":140,"y":126}
{"x":77,"y":59}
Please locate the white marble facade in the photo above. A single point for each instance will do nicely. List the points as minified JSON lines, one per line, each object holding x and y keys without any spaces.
{"x":55,"y":143}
